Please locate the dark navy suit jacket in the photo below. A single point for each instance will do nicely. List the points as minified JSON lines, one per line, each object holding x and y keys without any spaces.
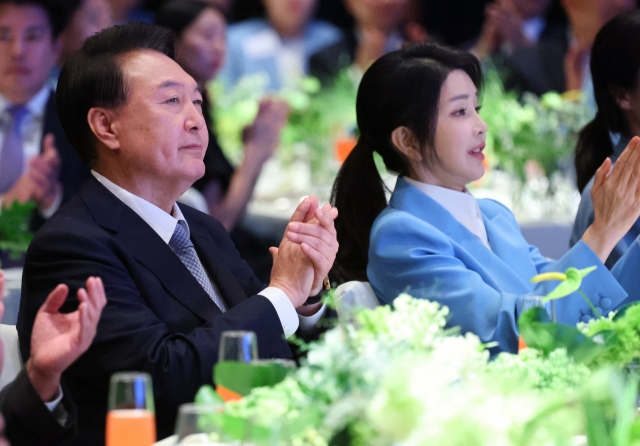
{"x":28,"y":421}
{"x":158,"y":319}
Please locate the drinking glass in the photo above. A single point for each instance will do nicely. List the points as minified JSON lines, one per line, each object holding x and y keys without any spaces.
{"x":131,"y":416}
{"x":197,"y":424}
{"x":536,"y":301}
{"x":239,"y":346}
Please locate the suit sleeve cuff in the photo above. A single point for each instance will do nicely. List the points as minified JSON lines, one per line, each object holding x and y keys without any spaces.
{"x":308,"y":323}
{"x":283,"y":306}
{"x":52,"y":405}
{"x":48,"y":212}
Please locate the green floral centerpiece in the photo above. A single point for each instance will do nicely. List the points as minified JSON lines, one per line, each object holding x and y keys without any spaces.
{"x":398,"y":376}
{"x":15,"y":235}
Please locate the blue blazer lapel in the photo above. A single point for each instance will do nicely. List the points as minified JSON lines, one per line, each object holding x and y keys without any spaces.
{"x":507,"y":244}
{"x":147,"y":248}
{"x":411,"y":200}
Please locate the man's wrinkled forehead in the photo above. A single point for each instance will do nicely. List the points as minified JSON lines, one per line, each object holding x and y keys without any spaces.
{"x":153,"y":70}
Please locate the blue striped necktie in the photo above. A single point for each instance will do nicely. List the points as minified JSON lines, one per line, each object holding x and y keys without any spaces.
{"x":184,"y":249}
{"x":12,"y":155}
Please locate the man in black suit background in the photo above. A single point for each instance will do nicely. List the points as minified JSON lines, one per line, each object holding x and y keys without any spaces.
{"x":36,"y":406}
{"x":36,"y":161}
{"x":174,"y":279}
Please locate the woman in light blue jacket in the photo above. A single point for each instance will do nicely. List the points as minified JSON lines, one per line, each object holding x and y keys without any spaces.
{"x":418,"y":109}
{"x":615,"y":70}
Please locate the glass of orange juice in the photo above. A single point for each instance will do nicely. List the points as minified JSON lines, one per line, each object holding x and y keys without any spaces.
{"x":131,"y":418}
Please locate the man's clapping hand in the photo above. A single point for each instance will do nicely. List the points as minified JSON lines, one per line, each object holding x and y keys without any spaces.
{"x":307,"y":251}
{"x":59,"y":339}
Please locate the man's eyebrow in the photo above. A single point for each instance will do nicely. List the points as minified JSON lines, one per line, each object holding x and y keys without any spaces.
{"x":170,"y":84}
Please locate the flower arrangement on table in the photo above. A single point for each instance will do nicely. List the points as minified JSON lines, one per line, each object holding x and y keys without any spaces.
{"x":319,"y":119}
{"x":398,"y":376}
{"x":15,"y":235}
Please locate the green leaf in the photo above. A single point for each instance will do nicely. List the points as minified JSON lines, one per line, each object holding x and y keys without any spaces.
{"x":539,"y":333}
{"x":241,"y":377}
{"x":570,"y":285}
{"x":207,"y":395}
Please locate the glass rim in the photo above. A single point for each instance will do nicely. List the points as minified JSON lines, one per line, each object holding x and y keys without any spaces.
{"x":238,"y":333}
{"x":130,"y":376}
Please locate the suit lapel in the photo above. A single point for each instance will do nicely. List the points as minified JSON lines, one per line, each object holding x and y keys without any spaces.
{"x":507,"y":244}
{"x":214,"y":262}
{"x":147,"y":248}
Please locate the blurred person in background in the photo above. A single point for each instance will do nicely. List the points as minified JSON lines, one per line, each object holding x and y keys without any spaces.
{"x":380,"y":26}
{"x":615,"y":70}
{"x":36,"y":161}
{"x":521,"y":40}
{"x":586,"y":18}
{"x":90,"y":16}
{"x":200,"y":46}
{"x":279,"y":45}
{"x":510,"y":24}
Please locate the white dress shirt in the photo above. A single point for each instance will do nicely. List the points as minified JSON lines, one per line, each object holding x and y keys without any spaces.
{"x":164,"y":224}
{"x":31,"y":129}
{"x":461,"y":205}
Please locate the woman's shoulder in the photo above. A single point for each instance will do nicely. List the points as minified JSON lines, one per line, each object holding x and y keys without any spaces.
{"x":398,"y":224}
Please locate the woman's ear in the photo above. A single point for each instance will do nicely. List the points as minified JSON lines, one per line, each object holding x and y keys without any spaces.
{"x":406,"y":142}
{"x":101,"y":122}
{"x":622,"y":98}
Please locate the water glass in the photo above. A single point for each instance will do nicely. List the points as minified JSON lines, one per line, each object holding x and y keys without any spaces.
{"x":131,"y":416}
{"x":197,"y":424}
{"x":238,"y":346}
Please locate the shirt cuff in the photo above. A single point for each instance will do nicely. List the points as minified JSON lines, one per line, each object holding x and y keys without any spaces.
{"x":308,"y":323}
{"x":287,"y":314}
{"x":48,"y":212}
{"x":52,"y":405}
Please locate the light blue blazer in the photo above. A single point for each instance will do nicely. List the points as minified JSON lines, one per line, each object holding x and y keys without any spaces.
{"x":419,"y":247}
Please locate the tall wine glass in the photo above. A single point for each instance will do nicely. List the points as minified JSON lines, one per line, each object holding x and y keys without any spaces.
{"x":131,"y":416}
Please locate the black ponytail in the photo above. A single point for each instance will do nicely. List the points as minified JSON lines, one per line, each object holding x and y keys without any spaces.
{"x":593,"y":147}
{"x":401,"y":88}
{"x":615,"y":67}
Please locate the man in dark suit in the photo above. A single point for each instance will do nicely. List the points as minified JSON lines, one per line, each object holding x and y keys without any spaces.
{"x":174,"y":279}
{"x":37,"y":407}
{"x":36,"y":161}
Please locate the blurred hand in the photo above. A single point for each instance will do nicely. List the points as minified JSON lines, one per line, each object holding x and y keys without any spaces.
{"x":616,"y":200}
{"x":40,"y":181}
{"x":263,"y":136}
{"x":59,"y":339}
{"x":43,"y":171}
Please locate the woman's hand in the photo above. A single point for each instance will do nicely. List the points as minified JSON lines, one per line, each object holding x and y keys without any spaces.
{"x":616,"y":201}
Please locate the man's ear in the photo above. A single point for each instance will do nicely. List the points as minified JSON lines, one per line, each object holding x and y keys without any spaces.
{"x":406,"y":142}
{"x":101,"y":123}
